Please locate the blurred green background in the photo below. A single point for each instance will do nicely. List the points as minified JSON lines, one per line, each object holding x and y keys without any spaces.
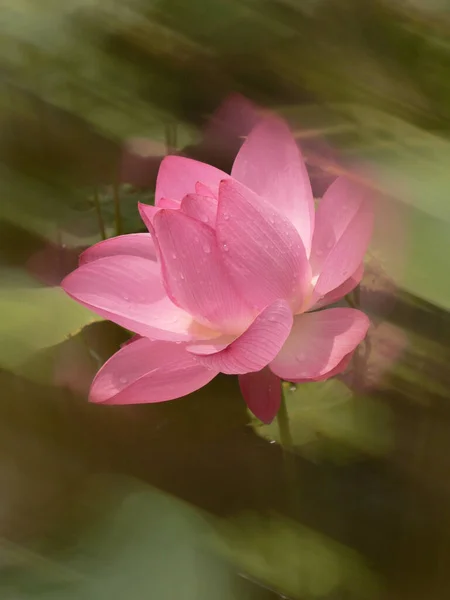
{"x":192,"y":499}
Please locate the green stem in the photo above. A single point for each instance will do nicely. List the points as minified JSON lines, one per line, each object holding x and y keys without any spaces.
{"x":283,"y":426}
{"x":98,"y":210}
{"x":290,"y":466}
{"x":117,"y":214}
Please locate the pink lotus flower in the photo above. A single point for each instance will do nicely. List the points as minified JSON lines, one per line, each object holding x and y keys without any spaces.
{"x":227,"y":277}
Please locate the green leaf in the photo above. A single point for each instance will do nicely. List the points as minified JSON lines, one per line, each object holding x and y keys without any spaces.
{"x":35,"y":317}
{"x":328,"y":421}
{"x":139,"y":544}
{"x":294,"y":560}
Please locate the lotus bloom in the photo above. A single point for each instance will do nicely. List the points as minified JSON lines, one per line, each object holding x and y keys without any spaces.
{"x":230,"y":277}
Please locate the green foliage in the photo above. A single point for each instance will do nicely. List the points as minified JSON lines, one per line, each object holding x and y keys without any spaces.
{"x":294,"y":560}
{"x":328,"y":421}
{"x":140,"y":544}
{"x":35,"y":317}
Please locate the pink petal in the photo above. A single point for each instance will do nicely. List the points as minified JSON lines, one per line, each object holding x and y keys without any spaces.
{"x":128,"y":291}
{"x":262,"y":251}
{"x":202,"y":208}
{"x":344,"y":223}
{"x":341,"y":291}
{"x":135,"y":244}
{"x":178,"y":176}
{"x":270,"y":163}
{"x":252,"y":350}
{"x":168,"y":203}
{"x":148,"y":371}
{"x":194,"y":275}
{"x":262,"y":393}
{"x":318,"y":343}
{"x":148,"y":212}
{"x":204,"y":190}
{"x":336,"y":371}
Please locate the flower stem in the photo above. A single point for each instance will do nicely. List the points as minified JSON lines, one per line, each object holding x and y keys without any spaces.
{"x":283,"y":426}
{"x":98,"y":210}
{"x":117,"y":213}
{"x":290,"y":467}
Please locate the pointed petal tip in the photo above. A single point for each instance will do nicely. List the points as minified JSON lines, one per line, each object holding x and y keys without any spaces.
{"x":262,"y":394}
{"x":147,"y":372}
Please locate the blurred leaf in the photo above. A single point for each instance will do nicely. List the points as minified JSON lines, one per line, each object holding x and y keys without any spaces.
{"x":328,"y":421}
{"x":140,"y":544}
{"x":294,"y":560}
{"x":35,"y":317}
{"x":409,"y":167}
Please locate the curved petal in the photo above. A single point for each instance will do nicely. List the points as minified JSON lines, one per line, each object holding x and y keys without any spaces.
{"x":201,"y":208}
{"x":147,"y":213}
{"x":318,"y":343}
{"x":340,"y":368}
{"x":262,"y":393}
{"x":341,"y":291}
{"x":134,"y":244}
{"x":178,"y":176}
{"x":344,"y":223}
{"x":194,"y":276}
{"x":262,"y":251}
{"x":168,"y":203}
{"x":252,"y":350}
{"x":270,"y":164}
{"x":203,"y":190}
{"x":128,"y":291}
{"x":148,"y":371}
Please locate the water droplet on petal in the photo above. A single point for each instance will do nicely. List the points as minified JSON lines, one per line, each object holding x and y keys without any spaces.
{"x":226,"y":216}
{"x":174,"y":255}
{"x":181,"y":276}
{"x":178,"y":342}
{"x":225,"y":247}
{"x":206,"y":248}
{"x":123,"y":380}
{"x":126,"y":298}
